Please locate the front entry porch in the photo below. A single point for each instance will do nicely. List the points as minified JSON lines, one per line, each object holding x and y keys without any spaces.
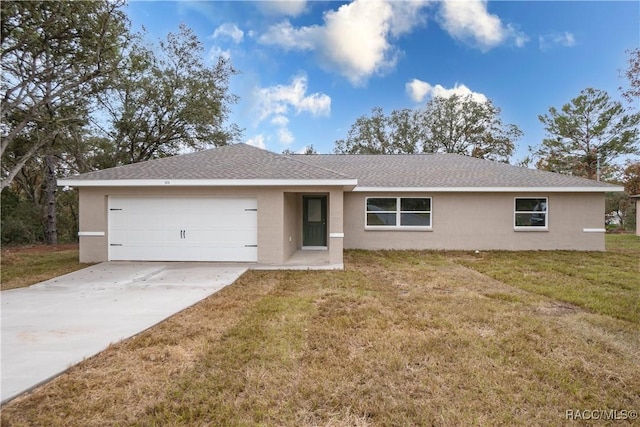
{"x":304,"y":260}
{"x":312,"y":231}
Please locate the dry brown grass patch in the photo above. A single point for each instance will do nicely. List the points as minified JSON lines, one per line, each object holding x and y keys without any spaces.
{"x":397,"y":339}
{"x":26,"y":265}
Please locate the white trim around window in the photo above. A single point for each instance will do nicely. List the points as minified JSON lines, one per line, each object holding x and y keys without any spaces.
{"x":531,"y":213}
{"x":398,"y":213}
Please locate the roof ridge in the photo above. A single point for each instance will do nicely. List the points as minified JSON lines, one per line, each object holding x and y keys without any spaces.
{"x":253,"y":147}
{"x":289,"y":156}
{"x":367,"y":154}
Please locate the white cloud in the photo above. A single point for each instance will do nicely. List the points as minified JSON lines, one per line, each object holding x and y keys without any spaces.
{"x":469,"y":21}
{"x":519,"y":38}
{"x":280,"y":121}
{"x":354,"y":39}
{"x":277,"y":100}
{"x":257,"y":141}
{"x":215,"y":52}
{"x":419,"y":91}
{"x":564,"y":39}
{"x":230,"y":31}
{"x":407,"y":15}
{"x":290,"y":38}
{"x":285,"y":136}
{"x":286,"y":7}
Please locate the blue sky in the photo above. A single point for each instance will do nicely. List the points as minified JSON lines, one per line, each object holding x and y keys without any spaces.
{"x":309,"y":69}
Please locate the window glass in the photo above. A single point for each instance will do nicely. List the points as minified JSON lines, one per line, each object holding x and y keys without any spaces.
{"x":314,"y":210}
{"x":530,"y":205}
{"x":380,"y":204}
{"x":531,"y":212}
{"x":398,"y":212}
{"x":415,"y":204}
{"x":422,"y":219}
{"x":381,"y":218}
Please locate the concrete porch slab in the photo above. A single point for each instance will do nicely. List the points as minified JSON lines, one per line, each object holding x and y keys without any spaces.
{"x":303,"y":260}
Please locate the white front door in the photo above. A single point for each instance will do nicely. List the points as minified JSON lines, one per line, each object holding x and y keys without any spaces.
{"x":183,"y":229}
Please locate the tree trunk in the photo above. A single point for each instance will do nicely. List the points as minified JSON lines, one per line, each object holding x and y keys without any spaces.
{"x":51,"y":189}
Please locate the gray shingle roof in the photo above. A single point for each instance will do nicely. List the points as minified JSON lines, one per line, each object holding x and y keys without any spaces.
{"x":238,"y":161}
{"x":244,"y":162}
{"x":440,"y":170}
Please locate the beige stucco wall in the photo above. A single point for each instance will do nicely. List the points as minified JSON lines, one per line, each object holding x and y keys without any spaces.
{"x":638,"y":216}
{"x":279,"y":216}
{"x":460,"y":221}
{"x":470,"y":221}
{"x":336,"y":225}
{"x":291,"y":223}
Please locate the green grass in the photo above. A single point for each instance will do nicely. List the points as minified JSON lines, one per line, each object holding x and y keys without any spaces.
{"x":603,"y":282}
{"x":25,"y":266}
{"x":623,"y":242}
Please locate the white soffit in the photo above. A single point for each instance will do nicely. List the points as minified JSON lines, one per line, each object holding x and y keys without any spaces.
{"x":322,"y":182}
{"x":205,"y":182}
{"x":489,"y":189}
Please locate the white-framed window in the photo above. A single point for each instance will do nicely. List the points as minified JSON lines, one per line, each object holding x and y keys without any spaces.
{"x":531,"y":213}
{"x":398,"y":213}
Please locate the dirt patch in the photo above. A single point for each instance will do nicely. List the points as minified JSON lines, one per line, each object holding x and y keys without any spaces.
{"x":557,"y":309}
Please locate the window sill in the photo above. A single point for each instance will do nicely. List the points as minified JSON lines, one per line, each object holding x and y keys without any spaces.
{"x":396,"y":228}
{"x":530,"y":228}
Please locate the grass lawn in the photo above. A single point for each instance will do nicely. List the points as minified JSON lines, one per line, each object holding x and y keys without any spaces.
{"x":398,"y":338}
{"x":26,"y":265}
{"x":607,"y":283}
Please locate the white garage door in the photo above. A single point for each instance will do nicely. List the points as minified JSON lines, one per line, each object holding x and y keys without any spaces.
{"x":183,"y":229}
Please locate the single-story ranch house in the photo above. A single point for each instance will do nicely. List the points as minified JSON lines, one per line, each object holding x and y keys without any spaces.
{"x":241,"y":203}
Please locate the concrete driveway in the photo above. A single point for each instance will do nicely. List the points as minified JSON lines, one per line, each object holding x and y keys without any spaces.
{"x":51,"y":326}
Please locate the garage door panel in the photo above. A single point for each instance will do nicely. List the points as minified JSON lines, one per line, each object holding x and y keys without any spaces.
{"x":154,"y":253}
{"x":228,"y":234}
{"x":150,"y":235}
{"x":182,"y":229}
{"x":230,"y":219}
{"x":230,"y":254}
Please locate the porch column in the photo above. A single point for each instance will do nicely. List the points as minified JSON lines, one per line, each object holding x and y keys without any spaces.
{"x":270,"y":226}
{"x":336,"y":221}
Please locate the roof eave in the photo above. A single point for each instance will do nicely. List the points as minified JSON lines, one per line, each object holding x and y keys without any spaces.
{"x":70,"y":182}
{"x":559,"y":189}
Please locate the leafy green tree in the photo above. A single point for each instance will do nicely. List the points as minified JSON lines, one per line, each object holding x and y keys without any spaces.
{"x":632,"y":74}
{"x":379,"y":134}
{"x":307,"y":150}
{"x":619,"y":210}
{"x":631,"y":179}
{"x":39,"y":209}
{"x":587,"y":136}
{"x":55,"y":55}
{"x":462,"y":125}
{"x":168,"y":99}
{"x":457,"y":124}
{"x":20,"y":219}
{"x":52,"y":135}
